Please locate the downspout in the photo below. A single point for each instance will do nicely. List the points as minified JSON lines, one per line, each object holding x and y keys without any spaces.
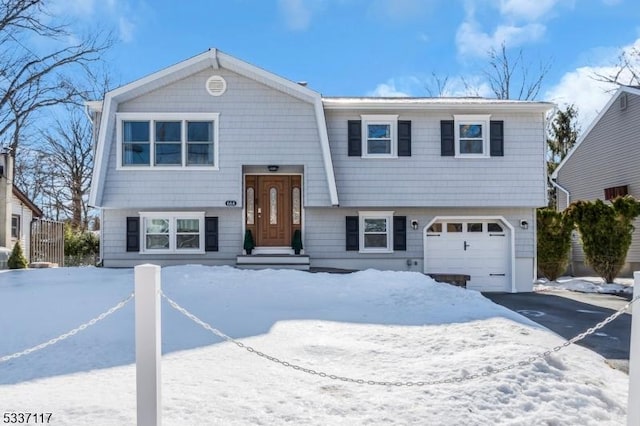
{"x":557,"y":185}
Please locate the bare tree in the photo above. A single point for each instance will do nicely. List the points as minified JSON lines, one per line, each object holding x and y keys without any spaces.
{"x":511,"y":78}
{"x":437,"y":86}
{"x":68,"y":150}
{"x":627,"y":70}
{"x":30,"y":82}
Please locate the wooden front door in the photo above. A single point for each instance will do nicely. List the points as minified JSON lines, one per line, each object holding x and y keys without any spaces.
{"x":275,"y":211}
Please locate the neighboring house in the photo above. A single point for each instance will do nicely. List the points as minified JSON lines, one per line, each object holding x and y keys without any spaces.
{"x":189,"y":158}
{"x":16,"y":210}
{"x":604,"y":164}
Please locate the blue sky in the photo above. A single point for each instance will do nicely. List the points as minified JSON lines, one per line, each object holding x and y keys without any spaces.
{"x":375,"y":47}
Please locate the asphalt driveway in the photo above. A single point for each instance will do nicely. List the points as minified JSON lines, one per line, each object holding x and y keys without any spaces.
{"x":572,"y":313}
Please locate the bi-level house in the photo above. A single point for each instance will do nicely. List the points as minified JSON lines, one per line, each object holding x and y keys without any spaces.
{"x":190,"y":158}
{"x":604,"y":164}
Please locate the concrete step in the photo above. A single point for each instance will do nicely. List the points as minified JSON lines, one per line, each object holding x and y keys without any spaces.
{"x":274,"y":261}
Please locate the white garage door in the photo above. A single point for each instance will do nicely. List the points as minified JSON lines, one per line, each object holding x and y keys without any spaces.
{"x":478,"y":248}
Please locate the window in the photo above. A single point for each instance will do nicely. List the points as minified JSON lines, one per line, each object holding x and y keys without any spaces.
{"x":454,"y":227}
{"x":435,"y":228}
{"x":185,"y":140}
{"x":494,"y":227}
{"x":172,"y":232}
{"x":200,"y":143}
{"x":471,"y":135}
{"x":376,"y":233}
{"x":379,"y":135}
{"x":474,"y":227}
{"x":616,"y":191}
{"x":168,"y":143}
{"x":15,"y":226}
{"x":135,"y":142}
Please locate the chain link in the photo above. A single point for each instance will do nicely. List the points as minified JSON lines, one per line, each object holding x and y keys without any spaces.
{"x":489,"y":371}
{"x":69,"y":333}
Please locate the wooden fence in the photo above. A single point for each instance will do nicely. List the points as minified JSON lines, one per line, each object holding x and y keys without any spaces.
{"x":47,"y":241}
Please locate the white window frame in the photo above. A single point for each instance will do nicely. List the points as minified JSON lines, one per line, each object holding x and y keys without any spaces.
{"x":388,"y":216}
{"x":173,"y":218}
{"x":483,"y":120}
{"x":184,"y":118}
{"x":389,"y":119}
{"x":18,"y":228}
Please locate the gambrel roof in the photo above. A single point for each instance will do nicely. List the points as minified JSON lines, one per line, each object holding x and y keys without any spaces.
{"x":211,"y":59}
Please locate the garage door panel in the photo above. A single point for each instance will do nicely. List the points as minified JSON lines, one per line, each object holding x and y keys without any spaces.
{"x":478,"y":248}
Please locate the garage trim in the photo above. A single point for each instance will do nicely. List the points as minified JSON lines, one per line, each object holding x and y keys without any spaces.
{"x":499,"y":218}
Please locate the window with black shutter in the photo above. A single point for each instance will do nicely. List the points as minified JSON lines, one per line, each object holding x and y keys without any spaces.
{"x":400,"y":233}
{"x":352,"y":234}
{"x":133,"y":234}
{"x":210,"y":233}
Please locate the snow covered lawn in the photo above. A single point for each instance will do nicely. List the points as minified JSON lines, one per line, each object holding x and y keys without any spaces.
{"x":386,"y":326}
{"x":621,"y":286}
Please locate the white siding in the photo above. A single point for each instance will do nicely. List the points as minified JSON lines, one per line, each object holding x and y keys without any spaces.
{"x":608,"y":156}
{"x":324,"y":239}
{"x":258,"y":126}
{"x":26,"y":215}
{"x":113,"y":235}
{"x":428,"y":179}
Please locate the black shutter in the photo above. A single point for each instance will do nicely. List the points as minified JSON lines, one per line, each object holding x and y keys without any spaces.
{"x":404,"y":138}
{"x":210,"y":234}
{"x":355,"y":138}
{"x":496,"y":133}
{"x":352,"y":233}
{"x":133,"y":233}
{"x":447,"y":139}
{"x":400,"y":233}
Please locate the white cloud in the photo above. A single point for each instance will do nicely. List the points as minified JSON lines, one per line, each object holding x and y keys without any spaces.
{"x":298,"y":13}
{"x":414,"y":85}
{"x":75,"y":8}
{"x":388,"y":90}
{"x":582,"y":88}
{"x":399,"y":10}
{"x":125,"y":29}
{"x":528,"y":10}
{"x":472,"y":41}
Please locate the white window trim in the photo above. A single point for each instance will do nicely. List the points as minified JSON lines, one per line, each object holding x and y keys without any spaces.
{"x":389,"y":119}
{"x":484,"y":120}
{"x":172,"y":216}
{"x":388,"y":215}
{"x":183,"y":117}
{"x":18,"y":225}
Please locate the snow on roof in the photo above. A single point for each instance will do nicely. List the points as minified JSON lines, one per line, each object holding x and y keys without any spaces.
{"x":431,"y":102}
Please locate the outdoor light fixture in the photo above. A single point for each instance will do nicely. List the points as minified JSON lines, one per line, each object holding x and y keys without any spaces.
{"x":273,"y":168}
{"x":524,"y":224}
{"x":414,"y":224}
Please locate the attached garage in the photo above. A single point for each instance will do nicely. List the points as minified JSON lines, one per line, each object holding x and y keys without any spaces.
{"x":479,"y":247}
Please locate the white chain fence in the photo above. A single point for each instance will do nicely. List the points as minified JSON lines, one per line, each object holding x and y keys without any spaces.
{"x":493,"y":371}
{"x":69,"y":333}
{"x":218,"y":333}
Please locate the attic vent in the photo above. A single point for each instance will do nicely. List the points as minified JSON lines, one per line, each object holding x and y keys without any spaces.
{"x":623,"y":102}
{"x":216,"y":85}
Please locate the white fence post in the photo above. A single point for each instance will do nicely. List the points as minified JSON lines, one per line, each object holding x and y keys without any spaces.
{"x":633,"y":406}
{"x":148,"y":342}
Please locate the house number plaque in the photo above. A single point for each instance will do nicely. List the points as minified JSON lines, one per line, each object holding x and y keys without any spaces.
{"x":230,"y":203}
